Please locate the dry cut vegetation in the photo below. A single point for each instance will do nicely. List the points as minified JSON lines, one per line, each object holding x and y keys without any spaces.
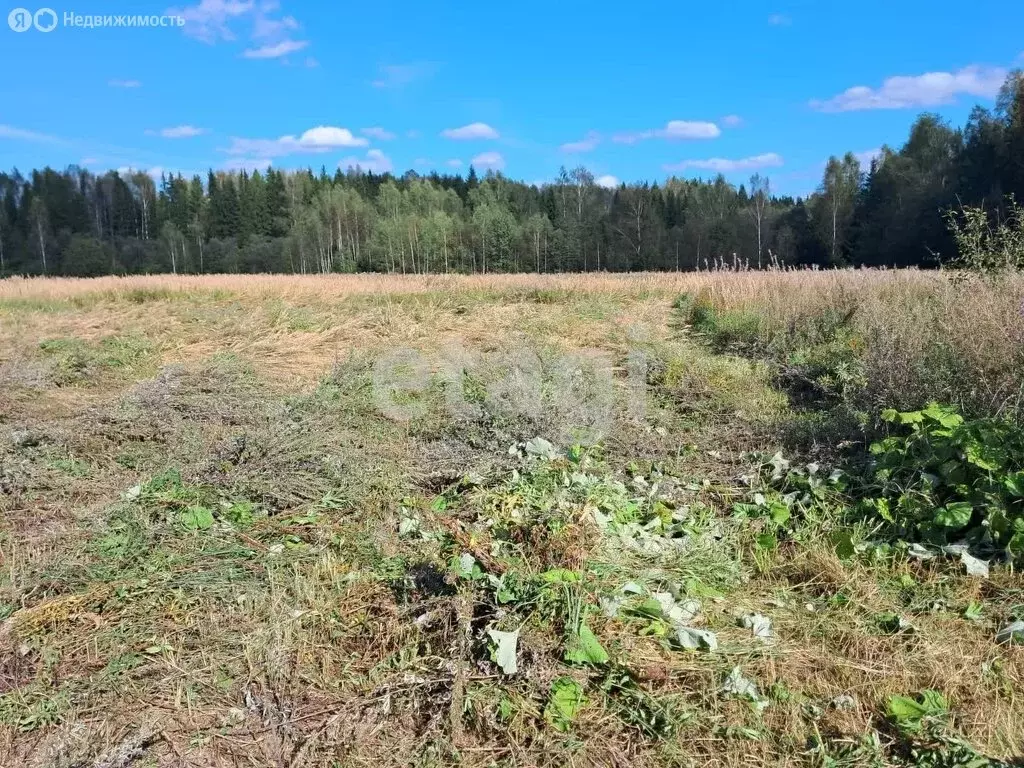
{"x":593,"y":520}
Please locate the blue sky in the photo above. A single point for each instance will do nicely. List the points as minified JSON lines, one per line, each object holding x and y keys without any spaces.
{"x":633,"y":91}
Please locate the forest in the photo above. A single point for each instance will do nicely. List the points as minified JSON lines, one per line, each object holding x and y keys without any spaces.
{"x":892,"y":213}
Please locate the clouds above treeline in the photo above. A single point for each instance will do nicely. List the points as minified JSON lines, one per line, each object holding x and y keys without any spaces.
{"x":931,"y":89}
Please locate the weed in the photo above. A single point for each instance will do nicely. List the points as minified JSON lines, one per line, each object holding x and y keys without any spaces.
{"x":942,"y":479}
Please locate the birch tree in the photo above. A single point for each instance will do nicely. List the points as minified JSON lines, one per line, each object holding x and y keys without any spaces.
{"x":760,"y":200}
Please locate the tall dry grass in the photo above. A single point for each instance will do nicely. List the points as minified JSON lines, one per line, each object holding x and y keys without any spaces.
{"x":925,"y":335}
{"x":731,"y":287}
{"x":919,"y":336}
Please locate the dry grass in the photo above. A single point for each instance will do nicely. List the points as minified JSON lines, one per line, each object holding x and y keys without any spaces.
{"x":767,"y":289}
{"x":314,"y":634}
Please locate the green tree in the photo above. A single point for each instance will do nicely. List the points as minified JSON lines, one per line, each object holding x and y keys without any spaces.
{"x":835,"y":204}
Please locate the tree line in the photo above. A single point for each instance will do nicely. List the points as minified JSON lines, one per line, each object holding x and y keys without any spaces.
{"x":891,"y":213}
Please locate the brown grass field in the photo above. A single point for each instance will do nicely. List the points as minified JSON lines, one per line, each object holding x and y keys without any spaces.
{"x":225,"y":540}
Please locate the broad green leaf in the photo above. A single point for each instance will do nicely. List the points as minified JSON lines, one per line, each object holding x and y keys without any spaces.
{"x":956,"y":514}
{"x":909,"y":713}
{"x":911,"y":417}
{"x":745,"y":509}
{"x":903,"y":708}
{"x":505,"y":709}
{"x":843,"y":543}
{"x":883,"y":509}
{"x":934,"y":703}
{"x":947,"y":417}
{"x":981,"y":458}
{"x":465,"y":566}
{"x":780,"y":513}
{"x":564,"y":703}
{"x":1015,"y":484}
{"x":196,"y":518}
{"x":973,"y":611}
{"x":584,"y":648}
{"x":650,"y":608}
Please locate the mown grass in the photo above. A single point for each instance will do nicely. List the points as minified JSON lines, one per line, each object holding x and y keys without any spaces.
{"x":219,"y":549}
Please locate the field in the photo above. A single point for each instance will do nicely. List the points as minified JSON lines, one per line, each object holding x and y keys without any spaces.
{"x":501,"y":520}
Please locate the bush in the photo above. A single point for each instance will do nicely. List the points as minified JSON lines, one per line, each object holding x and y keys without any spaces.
{"x":984,"y":248}
{"x":942,"y":479}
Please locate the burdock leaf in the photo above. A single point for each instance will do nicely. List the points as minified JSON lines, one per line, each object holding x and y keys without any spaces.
{"x":584,"y":648}
{"x":565,"y":702}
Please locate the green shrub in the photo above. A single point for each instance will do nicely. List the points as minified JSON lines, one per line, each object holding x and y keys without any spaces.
{"x":942,"y":479}
{"x":984,"y":248}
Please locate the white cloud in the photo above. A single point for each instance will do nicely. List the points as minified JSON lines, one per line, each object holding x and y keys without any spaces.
{"x":453,"y":163}
{"x":684,"y":129}
{"x":607,"y":181}
{"x":723,"y":165}
{"x":20,"y":134}
{"x":213,"y":21}
{"x":246,"y":164}
{"x":320,"y":139}
{"x":374,"y":162}
{"x":732,"y":120}
{"x":329,"y":137}
{"x":210,"y":20}
{"x":275,"y":51}
{"x":376,"y":132}
{"x":673,"y":130}
{"x":779,"y":20}
{"x":265,"y":26}
{"x":178,"y":132}
{"x":311,"y":63}
{"x":400,"y":75}
{"x":471,"y":131}
{"x":124,"y":83}
{"x":489,"y":160}
{"x":928,"y":90}
{"x":586,"y":144}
